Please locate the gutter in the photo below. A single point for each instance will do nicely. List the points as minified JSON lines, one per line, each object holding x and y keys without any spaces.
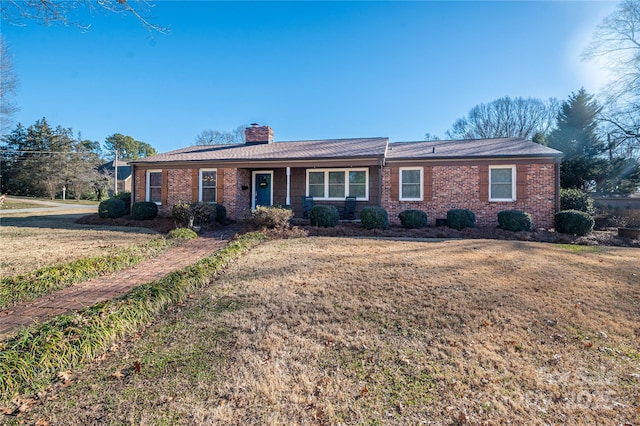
{"x":261,"y":162}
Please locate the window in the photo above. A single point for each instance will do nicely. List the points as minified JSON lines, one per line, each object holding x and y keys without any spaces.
{"x":502,"y":183}
{"x":411,"y":187}
{"x":315,"y":184}
{"x":208,"y":185}
{"x":336,"y":184}
{"x":154,"y":186}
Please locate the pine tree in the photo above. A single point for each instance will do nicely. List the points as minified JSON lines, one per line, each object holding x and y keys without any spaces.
{"x":576,"y":135}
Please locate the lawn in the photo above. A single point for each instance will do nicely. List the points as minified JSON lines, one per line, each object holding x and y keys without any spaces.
{"x":17,"y":204}
{"x":29,"y":243}
{"x":363,"y":331}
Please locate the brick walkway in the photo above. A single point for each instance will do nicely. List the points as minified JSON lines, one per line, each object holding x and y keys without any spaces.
{"x":106,"y":287}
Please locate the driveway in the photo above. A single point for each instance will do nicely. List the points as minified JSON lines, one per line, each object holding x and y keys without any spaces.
{"x":48,"y":207}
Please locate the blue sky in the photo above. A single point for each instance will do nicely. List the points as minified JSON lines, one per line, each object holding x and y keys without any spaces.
{"x":308,"y":69}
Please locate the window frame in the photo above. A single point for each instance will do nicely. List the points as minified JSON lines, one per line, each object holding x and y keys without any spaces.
{"x":513,"y":183}
{"x":421,"y":183}
{"x":201,"y":187}
{"x":347,"y":188}
{"x":149,"y":187}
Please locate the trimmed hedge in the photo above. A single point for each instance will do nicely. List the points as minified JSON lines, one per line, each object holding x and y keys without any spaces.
{"x":413,"y":219}
{"x":324,"y":215}
{"x":515,"y":220}
{"x":574,"y":199}
{"x":126,"y":197}
{"x":573,"y":222}
{"x":144,"y":210}
{"x":111,"y":208}
{"x":460,"y":219}
{"x":219,"y":213}
{"x":374,"y":217}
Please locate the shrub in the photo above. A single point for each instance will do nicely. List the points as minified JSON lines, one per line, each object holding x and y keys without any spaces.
{"x":325,"y":216}
{"x":180,"y":212}
{"x":413,"y":219}
{"x":460,"y":219}
{"x":202,"y":212}
{"x":182,"y":234}
{"x":126,"y":197}
{"x":144,"y":210}
{"x":573,"y":222}
{"x":271,"y":217}
{"x":515,"y":220}
{"x":374,"y":218}
{"x":574,"y":199}
{"x":111,"y":208}
{"x":190,"y":214}
{"x":218,"y":213}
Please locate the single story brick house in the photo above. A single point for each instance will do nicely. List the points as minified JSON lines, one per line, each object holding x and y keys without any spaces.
{"x":483,"y":175}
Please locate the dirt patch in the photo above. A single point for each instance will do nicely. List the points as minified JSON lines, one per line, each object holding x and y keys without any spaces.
{"x":368,"y":331}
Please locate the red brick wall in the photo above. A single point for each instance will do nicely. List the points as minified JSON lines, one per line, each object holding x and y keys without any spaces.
{"x":179,"y":187}
{"x":458,"y":186}
{"x":235,"y":199}
{"x":140,"y":185}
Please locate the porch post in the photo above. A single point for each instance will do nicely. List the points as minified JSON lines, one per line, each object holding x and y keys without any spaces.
{"x":288,"y":201}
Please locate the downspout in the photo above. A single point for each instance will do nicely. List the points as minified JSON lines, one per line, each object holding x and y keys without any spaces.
{"x":380,"y":166}
{"x":133,"y":184}
{"x":288,"y":201}
{"x":557,"y":195}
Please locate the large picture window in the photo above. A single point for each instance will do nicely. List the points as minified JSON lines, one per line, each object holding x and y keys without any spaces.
{"x":502,"y":183}
{"x":336,"y":184}
{"x":208,"y":185}
{"x":154,"y":186}
{"x":411,"y":186}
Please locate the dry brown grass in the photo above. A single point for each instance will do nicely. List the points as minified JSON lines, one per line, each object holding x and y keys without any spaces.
{"x":362,"y":331}
{"x":29,"y":243}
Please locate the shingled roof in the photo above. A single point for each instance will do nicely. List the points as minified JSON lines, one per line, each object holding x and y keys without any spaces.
{"x":470,"y":148}
{"x":278,"y":151}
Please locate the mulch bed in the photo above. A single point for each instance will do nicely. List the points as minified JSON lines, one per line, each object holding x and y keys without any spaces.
{"x":606,"y":237}
{"x":160,"y":224}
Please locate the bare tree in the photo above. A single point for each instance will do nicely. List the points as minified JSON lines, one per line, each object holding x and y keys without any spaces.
{"x":616,"y":42}
{"x":48,"y":12}
{"x":217,"y":137}
{"x":8,"y":87}
{"x":506,"y":117}
{"x":431,"y":137}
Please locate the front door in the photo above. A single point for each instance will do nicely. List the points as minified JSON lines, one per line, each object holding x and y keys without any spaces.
{"x":262,"y":189}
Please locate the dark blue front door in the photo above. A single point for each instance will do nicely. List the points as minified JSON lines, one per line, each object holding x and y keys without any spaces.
{"x":263,"y":189}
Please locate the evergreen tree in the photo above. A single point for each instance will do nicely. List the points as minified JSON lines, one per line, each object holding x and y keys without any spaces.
{"x":577,"y":137}
{"x":40,"y":160}
{"x":128,"y":148}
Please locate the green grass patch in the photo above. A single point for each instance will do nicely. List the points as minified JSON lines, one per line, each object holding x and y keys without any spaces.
{"x":578,"y":249}
{"x":30,"y":360}
{"x":22,"y":288}
{"x":18,"y":204}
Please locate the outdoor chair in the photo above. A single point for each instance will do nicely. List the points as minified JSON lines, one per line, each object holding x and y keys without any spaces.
{"x":307,"y":205}
{"x":349,"y":208}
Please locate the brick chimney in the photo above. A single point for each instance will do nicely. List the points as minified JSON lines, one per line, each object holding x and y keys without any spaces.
{"x":257,"y":134}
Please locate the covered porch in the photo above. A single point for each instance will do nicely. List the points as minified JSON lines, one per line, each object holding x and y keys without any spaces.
{"x":289,"y":185}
